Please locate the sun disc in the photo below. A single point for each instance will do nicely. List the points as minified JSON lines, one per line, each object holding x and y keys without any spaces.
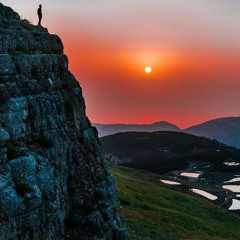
{"x":148,"y":69}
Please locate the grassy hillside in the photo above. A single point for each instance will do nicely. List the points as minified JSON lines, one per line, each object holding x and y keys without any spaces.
{"x":150,"y":210}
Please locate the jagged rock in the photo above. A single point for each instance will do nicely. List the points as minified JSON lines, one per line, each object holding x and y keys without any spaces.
{"x":54,"y":183}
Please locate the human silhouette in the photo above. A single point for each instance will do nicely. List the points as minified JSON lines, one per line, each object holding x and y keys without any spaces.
{"x":39,"y":12}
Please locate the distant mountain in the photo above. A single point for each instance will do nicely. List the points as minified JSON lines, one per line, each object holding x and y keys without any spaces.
{"x":109,"y":129}
{"x":162,"y":152}
{"x":226,"y":130}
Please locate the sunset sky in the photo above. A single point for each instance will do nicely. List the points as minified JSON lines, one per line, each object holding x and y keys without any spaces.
{"x":193,"y":47}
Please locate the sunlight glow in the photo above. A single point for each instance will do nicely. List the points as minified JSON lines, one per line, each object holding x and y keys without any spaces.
{"x":148,"y":69}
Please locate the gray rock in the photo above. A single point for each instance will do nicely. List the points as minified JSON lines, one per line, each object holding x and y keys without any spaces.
{"x":6,"y":64}
{"x":4,"y":136}
{"x":54,"y":183}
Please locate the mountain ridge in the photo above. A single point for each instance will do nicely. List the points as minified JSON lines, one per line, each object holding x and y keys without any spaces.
{"x":108,"y":129}
{"x":225,"y":130}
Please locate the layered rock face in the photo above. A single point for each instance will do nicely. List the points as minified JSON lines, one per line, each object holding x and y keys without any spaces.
{"x":53,"y":180}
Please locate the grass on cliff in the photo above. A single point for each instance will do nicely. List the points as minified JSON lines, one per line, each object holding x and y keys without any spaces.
{"x":150,"y":210}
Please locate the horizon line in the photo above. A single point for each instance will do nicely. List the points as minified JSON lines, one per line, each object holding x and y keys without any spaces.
{"x":151,"y":123}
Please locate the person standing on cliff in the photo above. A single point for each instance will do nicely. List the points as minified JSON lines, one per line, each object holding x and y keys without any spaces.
{"x":39,"y":12}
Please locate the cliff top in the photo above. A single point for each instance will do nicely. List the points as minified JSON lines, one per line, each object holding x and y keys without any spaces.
{"x":9,"y":19}
{"x":19,"y":36}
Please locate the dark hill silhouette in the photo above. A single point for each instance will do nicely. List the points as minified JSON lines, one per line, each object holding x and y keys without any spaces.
{"x":226,"y":130}
{"x":109,"y":129}
{"x":161,"y":152}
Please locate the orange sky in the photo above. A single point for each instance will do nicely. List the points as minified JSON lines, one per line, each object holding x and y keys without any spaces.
{"x":192,"y":46}
{"x":185,"y":87}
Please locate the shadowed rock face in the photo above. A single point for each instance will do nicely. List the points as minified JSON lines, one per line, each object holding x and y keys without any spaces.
{"x":53,"y":181}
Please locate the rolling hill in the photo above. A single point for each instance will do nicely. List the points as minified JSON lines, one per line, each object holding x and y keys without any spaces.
{"x":161,"y":152}
{"x":109,"y":129}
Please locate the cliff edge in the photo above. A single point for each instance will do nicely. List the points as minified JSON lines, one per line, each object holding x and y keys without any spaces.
{"x":54,"y":183}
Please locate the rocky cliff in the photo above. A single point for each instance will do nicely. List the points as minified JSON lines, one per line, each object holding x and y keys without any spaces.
{"x":53,"y":180}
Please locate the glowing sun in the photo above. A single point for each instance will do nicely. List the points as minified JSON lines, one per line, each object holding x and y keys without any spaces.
{"x":148,"y":69}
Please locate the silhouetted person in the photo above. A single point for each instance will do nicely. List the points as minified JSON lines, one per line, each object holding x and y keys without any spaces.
{"x":39,"y":12}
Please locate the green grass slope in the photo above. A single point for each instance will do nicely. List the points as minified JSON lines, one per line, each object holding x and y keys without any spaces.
{"x":150,"y":210}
